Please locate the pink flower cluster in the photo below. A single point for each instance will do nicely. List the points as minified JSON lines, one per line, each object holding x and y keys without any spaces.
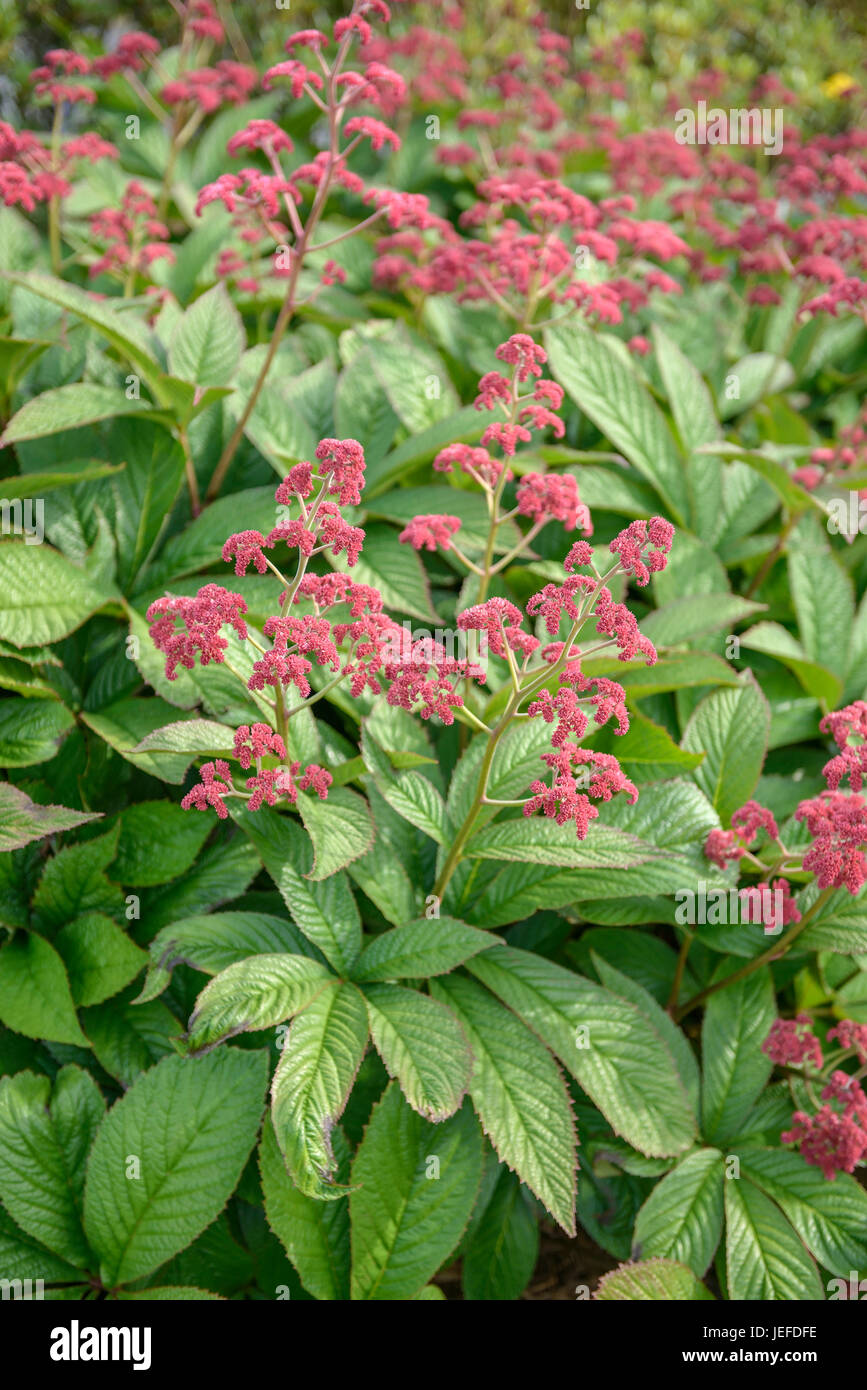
{"x":835,"y":1137}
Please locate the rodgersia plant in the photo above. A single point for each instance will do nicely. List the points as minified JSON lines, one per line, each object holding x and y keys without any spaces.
{"x":433,"y":645}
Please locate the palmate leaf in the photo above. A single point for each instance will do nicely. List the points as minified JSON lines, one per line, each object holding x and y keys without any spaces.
{"x":45,"y":1134}
{"x":254,"y":994}
{"x":519,"y":1095}
{"x":191,"y":1124}
{"x":320,"y":1058}
{"x":683,"y":1216}
{"x":765,"y":1257}
{"x":611,"y":1047}
{"x":736,"y":1022}
{"x":830,"y":1217}
{"x":428,"y":946}
{"x":414,"y":1184}
{"x":423,"y":1045}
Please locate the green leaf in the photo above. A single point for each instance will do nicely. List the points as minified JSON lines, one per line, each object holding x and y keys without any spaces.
{"x":198,"y":737}
{"x":35,"y":998}
{"x":125,"y":723}
{"x":685,"y":619}
{"x":73,"y":882}
{"x":464,"y":426}
{"x":609,"y":391}
{"x":256,"y":993}
{"x":128,"y":1038}
{"x":695,"y":416}
{"x":191,"y":1125}
{"x":661,"y":1022}
{"x":737,"y":1021}
{"x":45,"y":1133}
{"x":326,"y":911}
{"x":839,"y":925}
{"x":158,"y":841}
{"x":64,"y":474}
{"x":68,"y":408}
{"x":422,"y":1045}
{"x":540,"y":841}
{"x":318,"y":1065}
{"x":21,"y":1257}
{"x":212,"y":941}
{"x":501,"y":1256}
{"x":340,"y":829}
{"x":42,"y":596}
{"x":765,"y":1258}
{"x":415,"y":1184}
{"x":652,"y":1280}
{"x":767,"y":465}
{"x":208,"y":340}
{"x":823,"y":598}
{"x":422,"y":948}
{"x":410,"y":793}
{"x":405,"y":366}
{"x":144,"y":493}
{"x":731,"y":727}
{"x":519,"y":1096}
{"x":682,"y":1218}
{"x":674,"y":672}
{"x":315,"y":1234}
{"x":31,"y":731}
{"x":111,"y":317}
{"x":223,"y":871}
{"x":830,"y":1217}
{"x":384,"y":879}
{"x":609,"y":1044}
{"x":99,"y":958}
{"x":775,"y":640}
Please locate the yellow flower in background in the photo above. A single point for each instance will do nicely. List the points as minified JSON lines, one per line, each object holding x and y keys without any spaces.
{"x":839,"y":84}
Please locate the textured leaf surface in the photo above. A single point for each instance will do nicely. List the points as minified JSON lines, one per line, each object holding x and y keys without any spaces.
{"x":830,"y":1217}
{"x":651,"y":1280}
{"x":736,"y":1022}
{"x":23,"y":820}
{"x":731,"y":727}
{"x":607,"y":1043}
{"x":42,"y":596}
{"x":45,"y":1133}
{"x":423,"y":1045}
{"x":765,"y":1258}
{"x":519,"y":1096}
{"x":428,"y":946}
{"x":682,"y":1218}
{"x":256,"y":993}
{"x":311,"y":1085}
{"x":208,"y":340}
{"x":100,"y":959}
{"x":325,"y":912}
{"x":407,"y":1212}
{"x":340,"y":829}
{"x":314,"y":1234}
{"x":35,"y":998}
{"x":212,"y":941}
{"x":192,"y":1124}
